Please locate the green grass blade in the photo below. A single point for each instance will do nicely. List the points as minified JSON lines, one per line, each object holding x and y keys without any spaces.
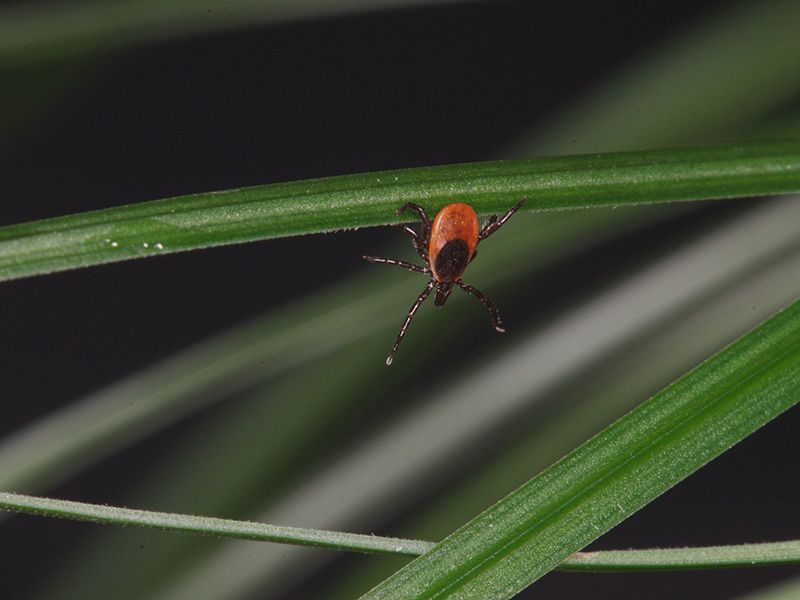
{"x":320,"y":205}
{"x":228,"y":528}
{"x":609,"y":560}
{"x":613,"y":475}
{"x":674,"y":559}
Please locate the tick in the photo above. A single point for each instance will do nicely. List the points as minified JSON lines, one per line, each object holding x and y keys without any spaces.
{"x":446,"y":246}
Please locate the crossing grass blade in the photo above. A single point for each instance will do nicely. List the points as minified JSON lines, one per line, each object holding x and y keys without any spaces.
{"x":229,"y":528}
{"x":674,"y":559}
{"x":773,"y":553}
{"x":530,"y":531}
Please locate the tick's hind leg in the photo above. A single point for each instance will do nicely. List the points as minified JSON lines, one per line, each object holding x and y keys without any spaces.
{"x":379,"y":260}
{"x":497,"y":322}
{"x":419,"y":245}
{"x":493,"y":224}
{"x":412,"y":311}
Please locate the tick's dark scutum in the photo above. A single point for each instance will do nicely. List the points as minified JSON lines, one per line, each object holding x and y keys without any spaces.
{"x":452,"y":260}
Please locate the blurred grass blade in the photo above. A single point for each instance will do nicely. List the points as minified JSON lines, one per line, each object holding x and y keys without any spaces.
{"x":565,"y":415}
{"x":54,"y":448}
{"x":712,"y":77}
{"x":626,"y":131}
{"x":438,"y":440}
{"x":526,"y":534}
{"x":609,"y":560}
{"x":318,"y":205}
{"x":786,"y":590}
{"x":34,"y":33}
{"x":48,"y":48}
{"x":243,"y":530}
{"x":287,"y":421}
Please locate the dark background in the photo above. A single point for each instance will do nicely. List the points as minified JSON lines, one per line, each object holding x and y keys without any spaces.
{"x":306,"y":99}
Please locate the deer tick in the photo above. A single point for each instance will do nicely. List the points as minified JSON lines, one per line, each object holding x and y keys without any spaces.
{"x":446,"y":245}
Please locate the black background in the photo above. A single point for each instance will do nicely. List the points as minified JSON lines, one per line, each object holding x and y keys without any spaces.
{"x":306,"y":99}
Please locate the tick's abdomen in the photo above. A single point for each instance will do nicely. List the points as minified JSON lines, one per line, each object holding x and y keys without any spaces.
{"x":451,"y":261}
{"x":454,"y":236}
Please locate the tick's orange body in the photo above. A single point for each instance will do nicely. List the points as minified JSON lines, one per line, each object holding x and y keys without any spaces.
{"x":454,"y":237}
{"x":447,"y":245}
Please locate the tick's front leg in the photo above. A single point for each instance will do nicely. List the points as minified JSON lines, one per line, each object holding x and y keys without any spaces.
{"x":493,"y":224}
{"x":425,"y":237}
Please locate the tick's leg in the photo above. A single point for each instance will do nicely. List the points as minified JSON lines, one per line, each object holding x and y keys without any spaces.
{"x":425,"y":236}
{"x":488,"y":226}
{"x":420,"y":299}
{"x":421,"y":248}
{"x":497,"y":322}
{"x":400,"y":263}
{"x":493,"y":224}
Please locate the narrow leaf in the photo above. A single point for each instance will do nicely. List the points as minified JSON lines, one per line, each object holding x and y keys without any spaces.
{"x":243,"y":530}
{"x":319,"y":205}
{"x":608,"y":560}
{"x":674,"y":559}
